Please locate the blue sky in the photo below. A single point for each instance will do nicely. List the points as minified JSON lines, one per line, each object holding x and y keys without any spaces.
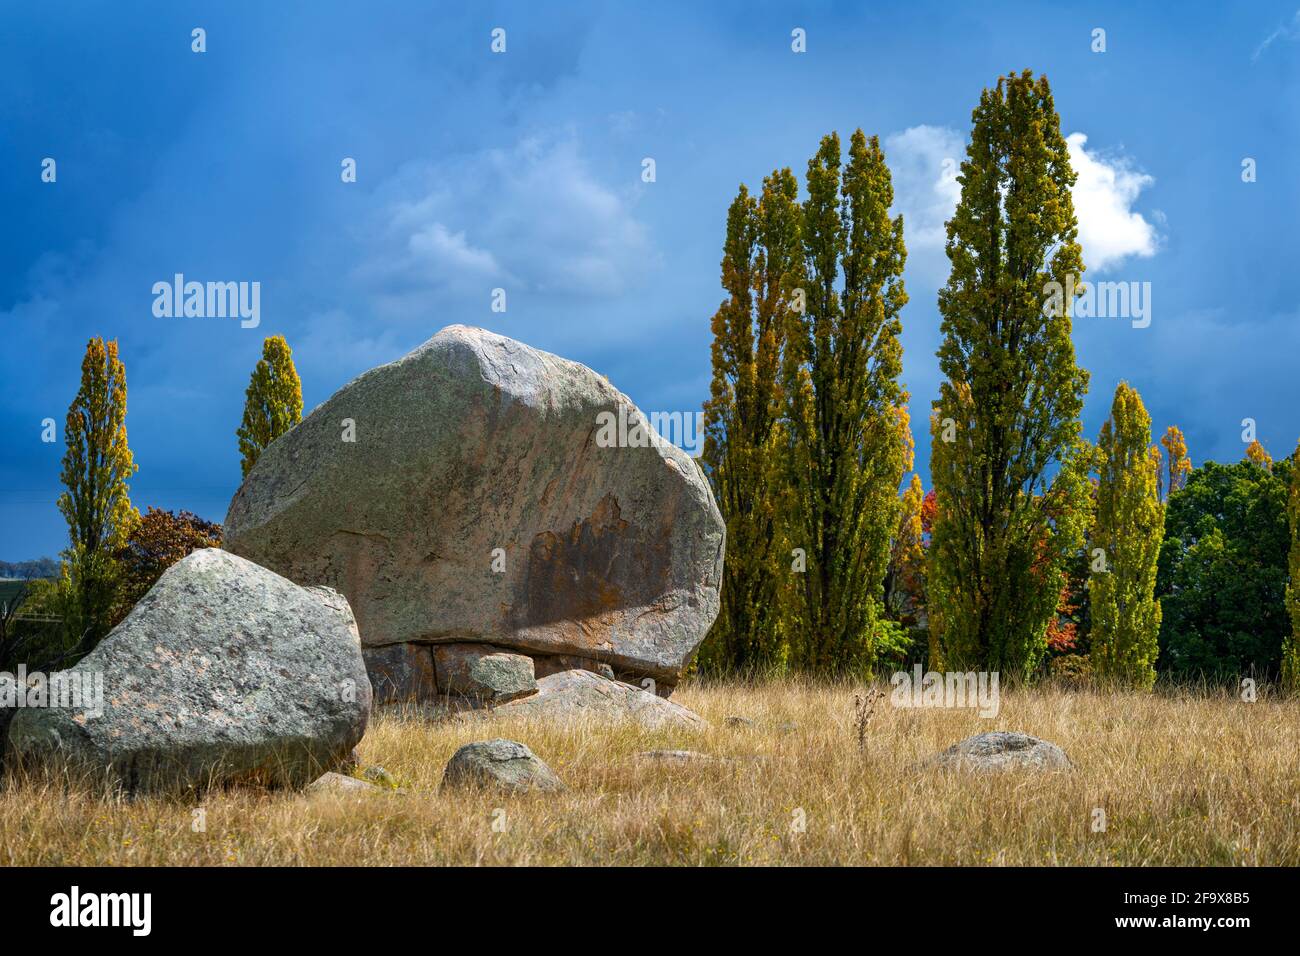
{"x":522,"y":170}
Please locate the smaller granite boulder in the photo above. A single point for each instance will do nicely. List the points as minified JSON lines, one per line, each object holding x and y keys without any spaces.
{"x":223,"y":673}
{"x":504,"y":764}
{"x":336,"y":784}
{"x":1003,"y":750}
{"x":481,"y":675}
{"x":581,"y":694}
{"x":679,"y":758}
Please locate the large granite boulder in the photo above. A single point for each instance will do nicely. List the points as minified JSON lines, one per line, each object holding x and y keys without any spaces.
{"x":470,"y":493}
{"x":224,"y":672}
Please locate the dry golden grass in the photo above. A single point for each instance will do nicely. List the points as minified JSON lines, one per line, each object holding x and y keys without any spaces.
{"x":1190,"y":779}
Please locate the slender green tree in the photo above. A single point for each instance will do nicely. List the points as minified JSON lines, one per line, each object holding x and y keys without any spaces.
{"x":1008,"y":465}
{"x":1291,"y":646}
{"x":97,"y":466}
{"x":1128,"y":529}
{"x":273,"y":401}
{"x":760,"y":263}
{"x":847,"y":438}
{"x":905,"y":579}
{"x":1180,"y":466}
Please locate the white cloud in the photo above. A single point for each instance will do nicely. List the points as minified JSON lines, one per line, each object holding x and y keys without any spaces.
{"x":1109,"y":230}
{"x":438,"y":247}
{"x":925,"y":162}
{"x":533,"y":218}
{"x":1287,"y":31}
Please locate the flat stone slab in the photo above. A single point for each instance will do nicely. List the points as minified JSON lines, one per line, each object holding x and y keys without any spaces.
{"x":580,"y":694}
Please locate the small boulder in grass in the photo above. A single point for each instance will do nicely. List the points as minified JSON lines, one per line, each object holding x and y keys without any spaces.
{"x":736,"y":722}
{"x":693,"y":758}
{"x":501,"y":764}
{"x":679,"y":758}
{"x":337,"y":784}
{"x":1003,"y":750}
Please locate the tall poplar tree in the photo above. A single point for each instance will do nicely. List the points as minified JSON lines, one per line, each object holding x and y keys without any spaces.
{"x":273,"y":401}
{"x":1008,"y":465}
{"x":1179,"y":465}
{"x":96,"y":503}
{"x":845,"y":410}
{"x":760,"y":266}
{"x":905,"y":580}
{"x":1129,"y":529}
{"x":1291,"y":645}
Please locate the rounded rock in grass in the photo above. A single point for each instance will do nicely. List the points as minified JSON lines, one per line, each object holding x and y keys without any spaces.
{"x":1003,"y":750}
{"x":680,"y":757}
{"x":336,"y":784}
{"x":502,"y":764}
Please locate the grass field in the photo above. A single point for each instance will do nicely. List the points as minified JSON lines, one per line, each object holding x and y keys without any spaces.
{"x":1193,"y":779}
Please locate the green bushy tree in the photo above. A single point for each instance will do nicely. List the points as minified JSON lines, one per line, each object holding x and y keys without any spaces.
{"x":1223,"y":572}
{"x":1291,"y":645}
